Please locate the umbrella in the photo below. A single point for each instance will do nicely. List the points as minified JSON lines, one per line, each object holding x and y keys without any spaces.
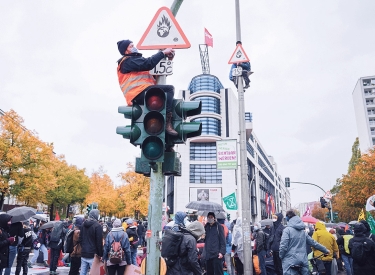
{"x":205,"y":206}
{"x":342,"y":224}
{"x":39,"y":217}
{"x":218,"y":214}
{"x":266,"y":222}
{"x":47,"y":225}
{"x":309,"y":219}
{"x":353,"y":222}
{"x":22,"y":213}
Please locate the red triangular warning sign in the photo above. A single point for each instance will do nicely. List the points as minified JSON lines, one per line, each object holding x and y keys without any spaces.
{"x":238,"y":56}
{"x":163,"y":32}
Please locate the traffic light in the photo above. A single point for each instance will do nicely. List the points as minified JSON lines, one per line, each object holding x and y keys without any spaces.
{"x":132,"y":132}
{"x":94,"y":205}
{"x":323,"y":202}
{"x":287,"y":182}
{"x":88,"y":208}
{"x":335,"y":216}
{"x":181,"y":111}
{"x":328,"y":215}
{"x":153,"y":134}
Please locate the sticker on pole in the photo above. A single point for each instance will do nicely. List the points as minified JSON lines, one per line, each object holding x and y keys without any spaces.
{"x":163,"y":32}
{"x":238,"y":56}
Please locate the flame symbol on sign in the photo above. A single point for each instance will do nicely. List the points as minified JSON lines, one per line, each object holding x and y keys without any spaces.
{"x":239,"y":54}
{"x":163,"y":27}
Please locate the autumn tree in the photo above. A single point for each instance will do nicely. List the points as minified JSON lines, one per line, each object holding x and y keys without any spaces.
{"x":318,"y":212}
{"x":356,"y":155}
{"x":71,"y":186}
{"x":25,"y":161}
{"x":103,"y":192}
{"x":135,"y":192}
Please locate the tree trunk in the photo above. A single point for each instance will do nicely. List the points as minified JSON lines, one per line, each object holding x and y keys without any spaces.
{"x":51,"y":216}
{"x":2,"y":200}
{"x":67,"y":211}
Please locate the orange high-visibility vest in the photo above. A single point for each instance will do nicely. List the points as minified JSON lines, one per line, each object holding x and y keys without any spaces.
{"x":133,"y":83}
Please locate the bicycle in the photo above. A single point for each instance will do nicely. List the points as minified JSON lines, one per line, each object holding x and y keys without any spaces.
{"x":317,"y":269}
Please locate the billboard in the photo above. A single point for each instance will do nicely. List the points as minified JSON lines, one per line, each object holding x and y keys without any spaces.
{"x":206,"y":194}
{"x":226,"y":154}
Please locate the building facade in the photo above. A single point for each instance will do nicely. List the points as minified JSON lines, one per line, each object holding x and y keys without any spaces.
{"x":364,"y":108}
{"x":201,"y":180}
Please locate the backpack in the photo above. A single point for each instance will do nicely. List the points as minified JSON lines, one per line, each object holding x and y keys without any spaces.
{"x":68,"y":243}
{"x":116,"y":254}
{"x":171,"y":242}
{"x":57,"y":235}
{"x":357,"y":251}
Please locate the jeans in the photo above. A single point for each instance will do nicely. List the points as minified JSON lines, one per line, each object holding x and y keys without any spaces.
{"x":42,"y":248}
{"x":22,"y":258}
{"x":55,"y":254}
{"x":133,"y":256}
{"x":328,"y":266}
{"x":86,"y":263}
{"x":348,"y":262}
{"x":168,"y":89}
{"x":12,"y":256}
{"x":262,"y":261}
{"x":75,"y":264}
{"x":214,"y":266}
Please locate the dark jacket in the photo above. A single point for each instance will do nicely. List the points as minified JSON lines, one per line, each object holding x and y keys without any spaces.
{"x":276,"y":233}
{"x":214,"y":241}
{"x":187,"y":263}
{"x":260,"y":241}
{"x":140,"y":230}
{"x":27,"y":238}
{"x":368,"y":267}
{"x":90,"y":239}
{"x":117,"y":234}
{"x":132,"y":233}
{"x":4,"y":243}
{"x":16,"y":230}
{"x":136,"y":63}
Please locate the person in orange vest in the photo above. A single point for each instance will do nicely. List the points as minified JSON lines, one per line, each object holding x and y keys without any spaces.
{"x":134,"y":77}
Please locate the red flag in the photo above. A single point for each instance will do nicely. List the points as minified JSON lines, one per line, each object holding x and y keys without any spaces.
{"x":57,"y":216}
{"x":208,"y":38}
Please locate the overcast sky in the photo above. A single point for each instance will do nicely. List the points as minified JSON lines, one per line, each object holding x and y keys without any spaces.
{"x":58,"y":71}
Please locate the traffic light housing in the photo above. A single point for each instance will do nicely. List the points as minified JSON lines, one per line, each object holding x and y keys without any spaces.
{"x":88,"y":208}
{"x":328,"y":215}
{"x":181,"y":111}
{"x":323,"y":202}
{"x":133,"y":131}
{"x":335,"y":216}
{"x":287,"y":182}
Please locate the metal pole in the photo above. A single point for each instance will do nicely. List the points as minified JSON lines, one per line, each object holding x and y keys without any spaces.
{"x":154,"y":220}
{"x":176,"y":6}
{"x":245,"y":194}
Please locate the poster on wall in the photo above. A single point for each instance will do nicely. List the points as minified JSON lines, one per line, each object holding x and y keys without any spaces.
{"x":226,"y":158}
{"x":206,"y":194}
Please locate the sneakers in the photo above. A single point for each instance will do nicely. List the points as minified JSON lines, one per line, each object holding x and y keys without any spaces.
{"x":29,"y":265}
{"x":247,"y":86}
{"x":45,"y":264}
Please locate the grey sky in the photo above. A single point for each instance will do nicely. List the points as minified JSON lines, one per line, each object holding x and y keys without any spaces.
{"x":58,"y":71}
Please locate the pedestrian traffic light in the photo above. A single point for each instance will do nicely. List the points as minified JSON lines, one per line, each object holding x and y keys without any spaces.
{"x":133,"y":131}
{"x":335,"y":216}
{"x":88,"y":208}
{"x":287,"y":182}
{"x":181,"y":111}
{"x":323,"y":202}
{"x":328,"y":215}
{"x":153,"y":134}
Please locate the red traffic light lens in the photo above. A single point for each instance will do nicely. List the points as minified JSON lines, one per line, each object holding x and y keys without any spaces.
{"x":155,"y":99}
{"x":154,"y":123}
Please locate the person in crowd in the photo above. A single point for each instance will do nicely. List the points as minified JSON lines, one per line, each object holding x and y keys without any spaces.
{"x":131,"y":230}
{"x":105,"y":231}
{"x":365,"y":266}
{"x":75,"y":256}
{"x":368,"y":230}
{"x":246,"y":68}
{"x":5,"y":241}
{"x":140,"y":232}
{"x":40,"y":244}
{"x":117,"y":234}
{"x":226,"y":230}
{"x":293,"y":243}
{"x":24,"y":248}
{"x":228,"y":254}
{"x":187,"y":262}
{"x":134,"y":76}
{"x":274,"y":241}
{"x":322,"y":236}
{"x":179,"y":221}
{"x":237,"y":246}
{"x":56,"y":244}
{"x":16,"y":231}
{"x":343,"y":244}
{"x":260,"y":246}
{"x":90,"y":238}
{"x":214,"y":246}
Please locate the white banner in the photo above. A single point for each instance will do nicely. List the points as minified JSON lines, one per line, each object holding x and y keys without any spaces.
{"x":205,"y":194}
{"x":226,"y":158}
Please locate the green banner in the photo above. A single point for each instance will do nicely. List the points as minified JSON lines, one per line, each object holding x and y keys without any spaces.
{"x":230,"y":201}
{"x":370,"y":221}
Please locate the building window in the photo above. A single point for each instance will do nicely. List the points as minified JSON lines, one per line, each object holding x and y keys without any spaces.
{"x":205,"y":82}
{"x":209,"y":104}
{"x":210,"y":125}
{"x":248,"y":117}
{"x":250,"y":149}
{"x":202,"y":151}
{"x":205,"y":173}
{"x":265,"y":157}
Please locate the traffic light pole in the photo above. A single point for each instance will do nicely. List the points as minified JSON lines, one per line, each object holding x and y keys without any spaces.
{"x":245,"y":194}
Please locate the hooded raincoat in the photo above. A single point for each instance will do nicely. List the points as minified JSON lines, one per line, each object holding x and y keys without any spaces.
{"x":293,"y":247}
{"x":322,"y":236}
{"x":237,"y":239}
{"x":276,"y":233}
{"x":179,"y":221}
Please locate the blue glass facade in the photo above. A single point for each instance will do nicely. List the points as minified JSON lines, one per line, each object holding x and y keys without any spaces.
{"x":205,"y":173}
{"x":205,"y":82}
{"x":210,"y":125}
{"x":202,"y":151}
{"x":209,"y":104}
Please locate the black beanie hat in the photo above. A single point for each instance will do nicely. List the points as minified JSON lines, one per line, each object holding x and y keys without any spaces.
{"x":211,"y":213}
{"x":123,"y":45}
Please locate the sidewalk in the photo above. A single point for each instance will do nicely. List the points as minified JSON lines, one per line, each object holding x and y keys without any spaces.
{"x":43,"y":270}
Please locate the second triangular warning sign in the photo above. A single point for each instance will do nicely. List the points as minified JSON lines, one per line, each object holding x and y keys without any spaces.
{"x":163,"y":32}
{"x":238,"y":56}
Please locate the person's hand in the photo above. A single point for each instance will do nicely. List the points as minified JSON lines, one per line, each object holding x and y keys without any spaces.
{"x":169,"y":52}
{"x":220,"y":256}
{"x":326,"y":254}
{"x":11,"y":239}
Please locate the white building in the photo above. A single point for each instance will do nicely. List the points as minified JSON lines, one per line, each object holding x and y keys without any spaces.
{"x":364,"y":108}
{"x":200,"y":178}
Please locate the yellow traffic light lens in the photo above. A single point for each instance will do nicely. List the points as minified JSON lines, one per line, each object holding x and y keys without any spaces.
{"x":154,"y":123}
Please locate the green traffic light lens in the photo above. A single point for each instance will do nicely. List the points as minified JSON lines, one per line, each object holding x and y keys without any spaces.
{"x":152,"y":148}
{"x":154,"y":123}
